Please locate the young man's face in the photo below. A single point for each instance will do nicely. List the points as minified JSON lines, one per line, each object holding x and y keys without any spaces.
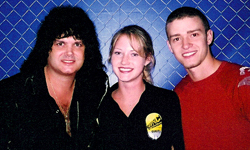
{"x":188,"y":41}
{"x":66,"y":56}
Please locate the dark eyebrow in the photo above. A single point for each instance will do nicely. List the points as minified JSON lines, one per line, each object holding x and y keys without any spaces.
{"x":78,"y":40}
{"x":191,"y":31}
{"x":57,"y":40}
{"x":174,"y":35}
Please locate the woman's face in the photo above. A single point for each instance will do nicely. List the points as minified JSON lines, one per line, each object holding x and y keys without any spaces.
{"x":126,"y":62}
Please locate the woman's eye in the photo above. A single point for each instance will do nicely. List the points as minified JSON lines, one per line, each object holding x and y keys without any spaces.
{"x":134,"y":54}
{"x":117,"y":53}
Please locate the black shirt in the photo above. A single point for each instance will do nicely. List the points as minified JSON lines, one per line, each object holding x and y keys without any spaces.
{"x":30,"y":117}
{"x":117,"y":131}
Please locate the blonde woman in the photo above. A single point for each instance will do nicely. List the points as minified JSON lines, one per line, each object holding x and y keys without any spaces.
{"x":135,"y":114}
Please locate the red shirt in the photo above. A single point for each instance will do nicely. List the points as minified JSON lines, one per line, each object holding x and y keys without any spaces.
{"x":216,"y":110}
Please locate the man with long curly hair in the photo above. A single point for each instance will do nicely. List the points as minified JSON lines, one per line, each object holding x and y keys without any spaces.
{"x":52,"y":103}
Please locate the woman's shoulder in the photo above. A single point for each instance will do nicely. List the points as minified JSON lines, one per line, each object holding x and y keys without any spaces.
{"x":160,"y":100}
{"x":155,"y":90}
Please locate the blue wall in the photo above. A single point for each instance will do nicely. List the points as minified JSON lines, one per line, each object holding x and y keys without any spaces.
{"x":229,"y":19}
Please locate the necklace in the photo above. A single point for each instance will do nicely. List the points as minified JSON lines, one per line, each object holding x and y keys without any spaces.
{"x":64,"y":111}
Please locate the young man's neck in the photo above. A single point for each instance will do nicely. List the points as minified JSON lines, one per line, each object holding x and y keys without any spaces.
{"x":204,"y":70}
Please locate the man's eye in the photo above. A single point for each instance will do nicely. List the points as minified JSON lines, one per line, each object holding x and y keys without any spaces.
{"x":60,"y":44}
{"x":176,"y":39}
{"x":78,"y":44}
{"x":194,"y":35}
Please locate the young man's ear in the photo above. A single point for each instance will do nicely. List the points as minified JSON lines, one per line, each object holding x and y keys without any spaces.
{"x":169,"y":46}
{"x":210,"y":36}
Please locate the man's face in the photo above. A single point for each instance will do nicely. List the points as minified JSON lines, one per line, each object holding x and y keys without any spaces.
{"x":188,"y":41}
{"x":66,"y":56}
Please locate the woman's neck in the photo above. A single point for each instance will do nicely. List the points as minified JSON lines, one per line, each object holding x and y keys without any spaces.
{"x":128,"y":95}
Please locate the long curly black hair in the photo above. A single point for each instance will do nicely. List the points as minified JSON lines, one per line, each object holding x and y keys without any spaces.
{"x":65,"y":21}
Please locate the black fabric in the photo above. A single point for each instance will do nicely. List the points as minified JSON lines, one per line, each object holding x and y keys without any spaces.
{"x":30,"y":118}
{"x":119,"y":132}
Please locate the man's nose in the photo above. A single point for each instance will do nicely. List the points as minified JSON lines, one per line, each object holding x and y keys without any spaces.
{"x":186,"y":44}
{"x":69,"y":49}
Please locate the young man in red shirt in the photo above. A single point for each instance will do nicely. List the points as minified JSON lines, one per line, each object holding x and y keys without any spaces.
{"x":215,"y":95}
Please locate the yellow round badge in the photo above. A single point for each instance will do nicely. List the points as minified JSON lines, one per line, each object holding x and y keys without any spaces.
{"x":154,"y":125}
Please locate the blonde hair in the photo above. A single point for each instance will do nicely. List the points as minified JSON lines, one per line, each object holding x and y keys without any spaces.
{"x":138,"y":34}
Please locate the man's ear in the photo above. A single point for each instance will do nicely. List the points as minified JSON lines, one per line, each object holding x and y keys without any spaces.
{"x":210,"y":36}
{"x":169,"y":46}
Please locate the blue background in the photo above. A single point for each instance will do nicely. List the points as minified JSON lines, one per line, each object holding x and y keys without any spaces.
{"x":229,"y":19}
